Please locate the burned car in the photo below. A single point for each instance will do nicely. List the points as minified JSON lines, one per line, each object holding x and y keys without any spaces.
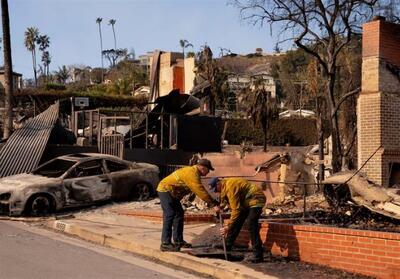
{"x":76,"y":180}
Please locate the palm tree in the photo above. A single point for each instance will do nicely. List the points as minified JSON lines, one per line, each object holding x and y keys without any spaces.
{"x":31,"y":36}
{"x":184,"y":44}
{"x":112,"y":22}
{"x":262,"y":108}
{"x":98,"y":21}
{"x":46,"y":59}
{"x":44,"y":42}
{"x":62,"y":74}
{"x":8,"y":86}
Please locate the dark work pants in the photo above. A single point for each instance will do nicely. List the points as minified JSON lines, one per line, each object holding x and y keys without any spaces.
{"x":173,"y":215}
{"x":252,"y":215}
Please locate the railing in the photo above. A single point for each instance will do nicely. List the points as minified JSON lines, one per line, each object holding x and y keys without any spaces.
{"x":152,"y":129}
{"x":112,"y":145}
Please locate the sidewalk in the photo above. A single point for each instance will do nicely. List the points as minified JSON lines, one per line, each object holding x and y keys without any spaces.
{"x":141,"y":236}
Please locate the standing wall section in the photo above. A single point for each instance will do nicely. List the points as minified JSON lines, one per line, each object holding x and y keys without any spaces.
{"x":378,"y":116}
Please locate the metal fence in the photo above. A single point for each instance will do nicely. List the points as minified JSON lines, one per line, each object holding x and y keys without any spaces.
{"x":112,"y":145}
{"x":166,"y":170}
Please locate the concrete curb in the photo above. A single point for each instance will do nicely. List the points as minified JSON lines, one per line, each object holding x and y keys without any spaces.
{"x":26,"y":219}
{"x":216,"y":269}
{"x":189,"y":218}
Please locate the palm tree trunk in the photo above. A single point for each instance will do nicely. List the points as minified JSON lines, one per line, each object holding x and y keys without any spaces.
{"x":101,"y":53}
{"x":34,"y":65}
{"x":8,"y":86}
{"x":115,"y":39}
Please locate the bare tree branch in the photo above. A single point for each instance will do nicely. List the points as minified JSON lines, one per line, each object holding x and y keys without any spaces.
{"x":345,"y":97}
{"x":320,"y":28}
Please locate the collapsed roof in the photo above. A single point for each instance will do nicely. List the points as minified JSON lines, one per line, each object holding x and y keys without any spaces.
{"x":24,"y":149}
{"x":385,"y":201}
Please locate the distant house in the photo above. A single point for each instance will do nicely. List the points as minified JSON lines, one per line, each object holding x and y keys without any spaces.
{"x":171,"y":72}
{"x":80,"y":74}
{"x":17,"y":80}
{"x":297,"y":113}
{"x":238,"y":82}
{"x":248,"y":80}
{"x":268,"y":82}
{"x":144,"y":60}
{"x":142,"y":91}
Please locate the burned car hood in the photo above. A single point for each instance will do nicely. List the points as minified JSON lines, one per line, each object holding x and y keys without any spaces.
{"x":145,"y":166}
{"x":23,"y":180}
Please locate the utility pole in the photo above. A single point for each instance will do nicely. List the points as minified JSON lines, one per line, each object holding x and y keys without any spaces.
{"x":8,"y":72}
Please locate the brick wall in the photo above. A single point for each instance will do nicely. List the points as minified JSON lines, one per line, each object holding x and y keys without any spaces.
{"x":389,"y":42}
{"x":381,"y":39}
{"x":378,"y":120}
{"x":369,"y":134}
{"x":230,"y":164}
{"x":364,"y":252}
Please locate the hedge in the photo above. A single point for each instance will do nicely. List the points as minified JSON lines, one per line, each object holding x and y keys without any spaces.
{"x":295,"y":131}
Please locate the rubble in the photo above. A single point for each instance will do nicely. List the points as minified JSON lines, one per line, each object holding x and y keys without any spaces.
{"x":268,"y":211}
{"x":350,"y":185}
{"x":194,"y":204}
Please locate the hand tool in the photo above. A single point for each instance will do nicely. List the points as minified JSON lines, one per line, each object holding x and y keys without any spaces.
{"x":223,"y":237}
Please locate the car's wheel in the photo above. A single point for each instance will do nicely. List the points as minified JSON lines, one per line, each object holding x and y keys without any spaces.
{"x":39,"y":205}
{"x":142,"y":191}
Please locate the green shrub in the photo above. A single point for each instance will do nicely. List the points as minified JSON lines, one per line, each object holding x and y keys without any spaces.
{"x":295,"y":131}
{"x":54,"y":86}
{"x":240,"y":130}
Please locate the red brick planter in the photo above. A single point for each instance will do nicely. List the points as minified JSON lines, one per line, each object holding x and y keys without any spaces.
{"x":365,"y":252}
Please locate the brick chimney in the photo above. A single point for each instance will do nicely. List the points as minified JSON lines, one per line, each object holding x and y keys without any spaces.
{"x":378,"y":107}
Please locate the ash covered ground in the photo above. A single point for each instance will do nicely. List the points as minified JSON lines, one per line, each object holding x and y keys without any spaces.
{"x":319,"y":212}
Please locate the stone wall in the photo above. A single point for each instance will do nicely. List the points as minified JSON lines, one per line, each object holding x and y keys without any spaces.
{"x":233,"y":164}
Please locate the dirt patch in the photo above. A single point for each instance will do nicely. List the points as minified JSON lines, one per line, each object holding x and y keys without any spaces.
{"x":209,"y":238}
{"x":283,"y":268}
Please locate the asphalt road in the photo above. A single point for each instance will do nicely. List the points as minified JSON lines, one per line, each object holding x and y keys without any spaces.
{"x":31,"y":252}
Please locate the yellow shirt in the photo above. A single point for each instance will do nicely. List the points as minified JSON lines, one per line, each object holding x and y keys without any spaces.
{"x":184,"y":181}
{"x":240,"y":194}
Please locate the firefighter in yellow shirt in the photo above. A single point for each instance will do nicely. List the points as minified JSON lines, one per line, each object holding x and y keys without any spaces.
{"x":246,"y":201}
{"x":170,"y":191}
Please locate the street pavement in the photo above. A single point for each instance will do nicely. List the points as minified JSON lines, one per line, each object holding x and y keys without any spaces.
{"x":31,"y":252}
{"x":140,"y":236}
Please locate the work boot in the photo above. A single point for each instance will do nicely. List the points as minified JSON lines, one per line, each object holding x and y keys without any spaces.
{"x":169,"y":247}
{"x":183,"y":244}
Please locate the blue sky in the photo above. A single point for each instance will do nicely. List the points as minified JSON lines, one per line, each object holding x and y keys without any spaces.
{"x":144,"y":25}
